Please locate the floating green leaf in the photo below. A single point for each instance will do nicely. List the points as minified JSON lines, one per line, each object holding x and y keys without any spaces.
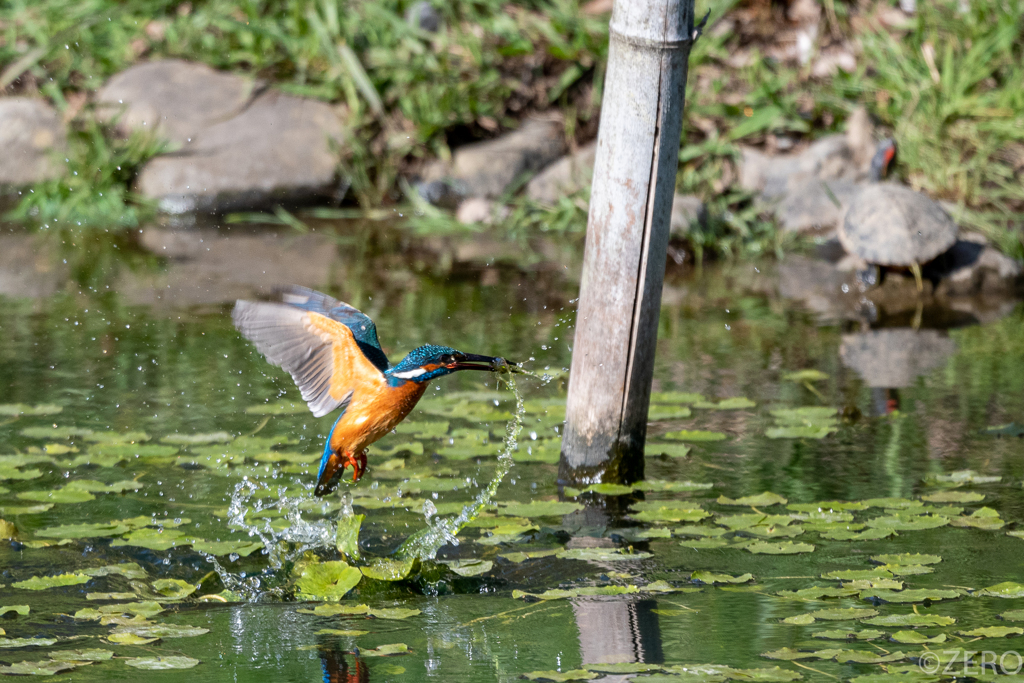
{"x":789,"y":654}
{"x":83,"y":530}
{"x":326,"y":580}
{"x":99,"y":487}
{"x":827,"y":506}
{"x":560,"y":676}
{"x":906,"y":558}
{"x":44,"y":668}
{"x":1007,"y":589}
{"x":954,"y":497}
{"x":963,"y":477}
{"x":863,"y":657}
{"x":163,"y":631}
{"x":111,"y":596}
{"x":908,"y":523}
{"x":671,"y":514}
{"x":916,"y":638}
{"x":470,"y":567}
{"x":154,"y":539}
{"x":695,"y":435}
{"x":562,"y":594}
{"x":346,"y":540}
{"x":799,"y":619}
{"x":608,"y":489}
{"x":899,"y":620}
{"x":129,"y":570}
{"x":335,"y":610}
{"x":835,"y":634}
{"x":738,"y":403}
{"x":130,"y":639}
{"x":26,"y":642}
{"x":601,"y":554}
{"x":219,"y":548}
{"x":661,"y":413}
{"x":339,"y":632}
{"x":387,"y":569}
{"x":1012,"y":615}
{"x":781,"y":548}
{"x":116,"y":437}
{"x":86,"y":655}
{"x":675,"y":397}
{"x":843,"y":614}
{"x":799,"y":432}
{"x":711,"y":578}
{"x":389,"y":650}
{"x":174,"y":589}
{"x":64,"y":495}
{"x":982,"y":518}
{"x":14,"y":474}
{"x":20,"y":409}
{"x":161,"y":663}
{"x":761,"y":500}
{"x":656,"y":485}
{"x":540,"y":508}
{"x":54,"y":432}
{"x":23,"y":610}
{"x":992,"y":632}
{"x":818,"y":593}
{"x":38,"y":583}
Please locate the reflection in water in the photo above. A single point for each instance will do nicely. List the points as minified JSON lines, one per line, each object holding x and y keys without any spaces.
{"x":895,"y":358}
{"x":336,"y":668}
{"x":614,"y":631}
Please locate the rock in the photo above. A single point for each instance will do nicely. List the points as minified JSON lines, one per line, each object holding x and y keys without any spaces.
{"x":807,"y":207}
{"x":175,"y":98}
{"x":445,"y":193}
{"x":860,"y":138}
{"x":774,"y":176}
{"x":279,"y":149}
{"x":489,"y":168}
{"x":972,"y":266}
{"x":480,"y":210}
{"x":568,"y":175}
{"x":687,"y":211}
{"x":30,"y":131}
{"x":423,"y":16}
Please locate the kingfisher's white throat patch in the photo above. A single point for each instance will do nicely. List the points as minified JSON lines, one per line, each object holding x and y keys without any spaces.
{"x":409,"y":374}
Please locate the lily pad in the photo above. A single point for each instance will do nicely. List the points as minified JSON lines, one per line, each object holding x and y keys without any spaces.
{"x":908,"y":523}
{"x":161,"y":663}
{"x":899,"y":620}
{"x":23,"y":610}
{"x":916,"y":638}
{"x":675,"y":397}
{"x":906,"y":558}
{"x":838,"y":634}
{"x":819,"y":593}
{"x":799,"y":619}
{"x":670,"y":486}
{"x":26,"y":642}
{"x":695,"y":435}
{"x":335,"y":610}
{"x":828,"y":506}
{"x":20,"y":409}
{"x":38,"y":583}
{"x":992,"y":632}
{"x":13,"y":474}
{"x":560,"y":676}
{"x":64,"y":495}
{"x":340,"y":632}
{"x":671,"y":514}
{"x":130,"y":639}
{"x":347,"y":537}
{"x":154,"y":539}
{"x":470,"y":567}
{"x":738,"y":403}
{"x":789,"y":654}
{"x":326,"y":580}
{"x":129,"y":570}
{"x":800,"y":432}
{"x":843,"y":614}
{"x":601,"y":554}
{"x":86,"y":655}
{"x":982,"y":518}
{"x":47,"y":667}
{"x":116,"y":437}
{"x":387,"y":569}
{"x":1012,"y":615}
{"x":174,"y":589}
{"x":963,"y":477}
{"x":83,"y":530}
{"x":1007,"y":589}
{"x":219,"y":548}
{"x":562,"y":594}
{"x":55,"y":432}
{"x":163,"y":631}
{"x":661,"y":413}
{"x":711,"y":578}
{"x":780,"y":548}
{"x":761,"y":500}
{"x":540,"y":508}
{"x":608,"y":489}
{"x":954,"y":497}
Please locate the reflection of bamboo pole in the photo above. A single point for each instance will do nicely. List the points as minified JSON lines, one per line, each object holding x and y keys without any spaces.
{"x":621,"y":630}
{"x":627,"y":240}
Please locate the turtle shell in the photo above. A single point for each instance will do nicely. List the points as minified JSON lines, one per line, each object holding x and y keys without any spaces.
{"x":892,"y":225}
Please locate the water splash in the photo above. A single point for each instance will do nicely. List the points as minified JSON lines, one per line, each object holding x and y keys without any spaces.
{"x":424,"y":544}
{"x":279,"y":546}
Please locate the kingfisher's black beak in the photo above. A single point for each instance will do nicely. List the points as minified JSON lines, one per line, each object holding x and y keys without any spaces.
{"x":471,"y":361}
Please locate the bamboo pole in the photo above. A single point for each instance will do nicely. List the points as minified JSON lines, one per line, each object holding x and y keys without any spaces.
{"x":627,"y":241}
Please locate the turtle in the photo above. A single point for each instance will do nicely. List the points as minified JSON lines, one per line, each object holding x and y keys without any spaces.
{"x":894,"y":226}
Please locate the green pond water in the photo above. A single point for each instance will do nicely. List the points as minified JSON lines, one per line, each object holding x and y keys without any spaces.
{"x":156,"y":473}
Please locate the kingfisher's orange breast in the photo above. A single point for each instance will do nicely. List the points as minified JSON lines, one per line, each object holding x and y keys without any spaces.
{"x":373,"y":412}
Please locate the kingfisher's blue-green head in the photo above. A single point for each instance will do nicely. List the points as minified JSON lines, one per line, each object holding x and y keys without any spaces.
{"x":430,"y":362}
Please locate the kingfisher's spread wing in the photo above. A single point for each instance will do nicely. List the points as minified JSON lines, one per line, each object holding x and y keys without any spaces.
{"x":312,"y":337}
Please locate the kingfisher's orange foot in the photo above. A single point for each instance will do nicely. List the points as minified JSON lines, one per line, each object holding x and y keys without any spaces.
{"x":356,"y":462}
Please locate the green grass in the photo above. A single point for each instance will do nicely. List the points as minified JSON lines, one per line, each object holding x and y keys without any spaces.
{"x":948,"y":89}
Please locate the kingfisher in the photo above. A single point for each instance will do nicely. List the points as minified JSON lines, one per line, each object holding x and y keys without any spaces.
{"x":331,"y":351}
